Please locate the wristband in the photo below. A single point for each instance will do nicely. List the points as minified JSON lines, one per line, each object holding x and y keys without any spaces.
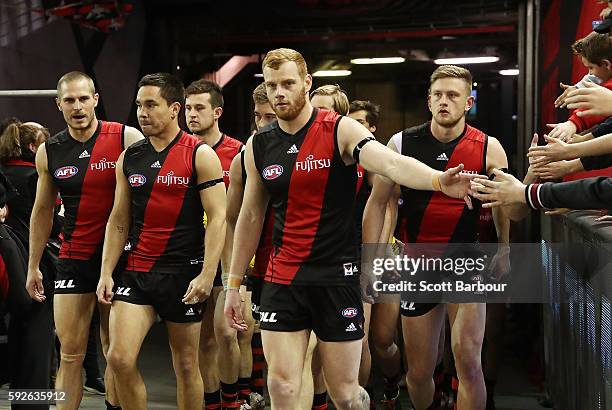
{"x":435,"y":182}
{"x":234,"y":283}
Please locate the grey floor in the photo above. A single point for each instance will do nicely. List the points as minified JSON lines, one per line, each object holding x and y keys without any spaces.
{"x":514,"y":390}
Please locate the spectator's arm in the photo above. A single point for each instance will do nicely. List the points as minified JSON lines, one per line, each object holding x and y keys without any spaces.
{"x":590,"y":193}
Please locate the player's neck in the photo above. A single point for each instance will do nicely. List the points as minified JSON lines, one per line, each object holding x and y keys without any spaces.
{"x":163,"y":139}
{"x":296,"y":124}
{"x":211,"y":136}
{"x":447,"y":134}
{"x":84,"y":134}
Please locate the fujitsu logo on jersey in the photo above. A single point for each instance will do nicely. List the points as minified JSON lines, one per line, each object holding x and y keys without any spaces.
{"x":137,"y":180}
{"x":66,"y":172}
{"x":312,"y":164}
{"x":171,"y":179}
{"x":272,"y":171}
{"x":102,"y":165}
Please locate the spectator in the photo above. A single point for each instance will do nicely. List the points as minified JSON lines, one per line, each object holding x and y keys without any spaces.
{"x":595,"y":51}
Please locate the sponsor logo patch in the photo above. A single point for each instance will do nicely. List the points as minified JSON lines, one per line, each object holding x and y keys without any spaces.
{"x":66,"y":172}
{"x":123,"y":291}
{"x":351,"y":328}
{"x":350,"y":269}
{"x":272,"y":172}
{"x":137,"y":180}
{"x":350,"y":312}
{"x":64,"y":284}
{"x":268,"y":317}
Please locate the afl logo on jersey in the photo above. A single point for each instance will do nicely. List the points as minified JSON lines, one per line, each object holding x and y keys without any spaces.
{"x":350,"y":312}
{"x":137,"y":180}
{"x":272,"y":172}
{"x":66,"y":172}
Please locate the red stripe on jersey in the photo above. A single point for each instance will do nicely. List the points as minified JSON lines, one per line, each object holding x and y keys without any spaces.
{"x":360,"y":177}
{"x":302,"y":215}
{"x":4,"y":281}
{"x":469,"y":152}
{"x":153,"y":238}
{"x":264,"y":249}
{"x":18,"y":162}
{"x":97,"y":194}
{"x":227,"y":148}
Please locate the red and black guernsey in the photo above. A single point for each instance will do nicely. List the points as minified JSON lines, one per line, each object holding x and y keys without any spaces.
{"x":433,"y":217}
{"x":84,"y":174}
{"x":227,"y":148}
{"x":363,"y":193}
{"x":312,"y":193}
{"x":167,"y":231}
{"x":264,"y":248}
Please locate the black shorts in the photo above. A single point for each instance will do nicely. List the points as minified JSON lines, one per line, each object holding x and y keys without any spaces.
{"x":163,"y":291}
{"x":255,"y":285}
{"x":334,"y":313}
{"x":76,"y":276}
{"x":415,"y":309}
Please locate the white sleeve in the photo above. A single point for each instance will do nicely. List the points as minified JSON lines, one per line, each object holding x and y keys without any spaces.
{"x":397,"y":140}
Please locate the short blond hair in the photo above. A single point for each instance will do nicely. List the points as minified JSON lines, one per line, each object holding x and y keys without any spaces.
{"x":451,"y":71}
{"x":75,"y":76}
{"x":274,"y":58}
{"x":259,"y":94}
{"x":341,"y":101}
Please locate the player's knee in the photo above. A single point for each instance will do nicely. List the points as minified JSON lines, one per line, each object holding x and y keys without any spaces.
{"x":418,"y":375}
{"x":227,"y":339}
{"x":185,"y":366}
{"x":467,"y":353}
{"x":208,"y":344}
{"x":119,"y":362}
{"x":282,"y":386}
{"x":344,"y":395}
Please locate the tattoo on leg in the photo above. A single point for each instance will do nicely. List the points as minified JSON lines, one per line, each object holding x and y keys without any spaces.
{"x":364,"y":398}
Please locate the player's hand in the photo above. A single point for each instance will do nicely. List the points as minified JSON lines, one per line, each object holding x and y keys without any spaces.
{"x":552,"y":171}
{"x":557,"y":211}
{"x":555,"y":150}
{"x":576,"y":138}
{"x":198,"y":291}
{"x":563,"y":131}
{"x":233,"y":310}
{"x":455,"y":184}
{"x":560,"y":101}
{"x":104,"y":291}
{"x":4,"y":211}
{"x":592,"y":99}
{"x":504,"y":190}
{"x":368,"y":294}
{"x":34,"y":285}
{"x":500,"y":263}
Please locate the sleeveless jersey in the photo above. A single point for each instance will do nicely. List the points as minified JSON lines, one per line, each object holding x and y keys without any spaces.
{"x":227,"y":148}
{"x":312,"y":193}
{"x":84,"y":174}
{"x":167,"y":231}
{"x":432,"y":216}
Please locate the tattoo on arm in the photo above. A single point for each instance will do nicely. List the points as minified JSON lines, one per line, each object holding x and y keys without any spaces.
{"x":120,"y":229}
